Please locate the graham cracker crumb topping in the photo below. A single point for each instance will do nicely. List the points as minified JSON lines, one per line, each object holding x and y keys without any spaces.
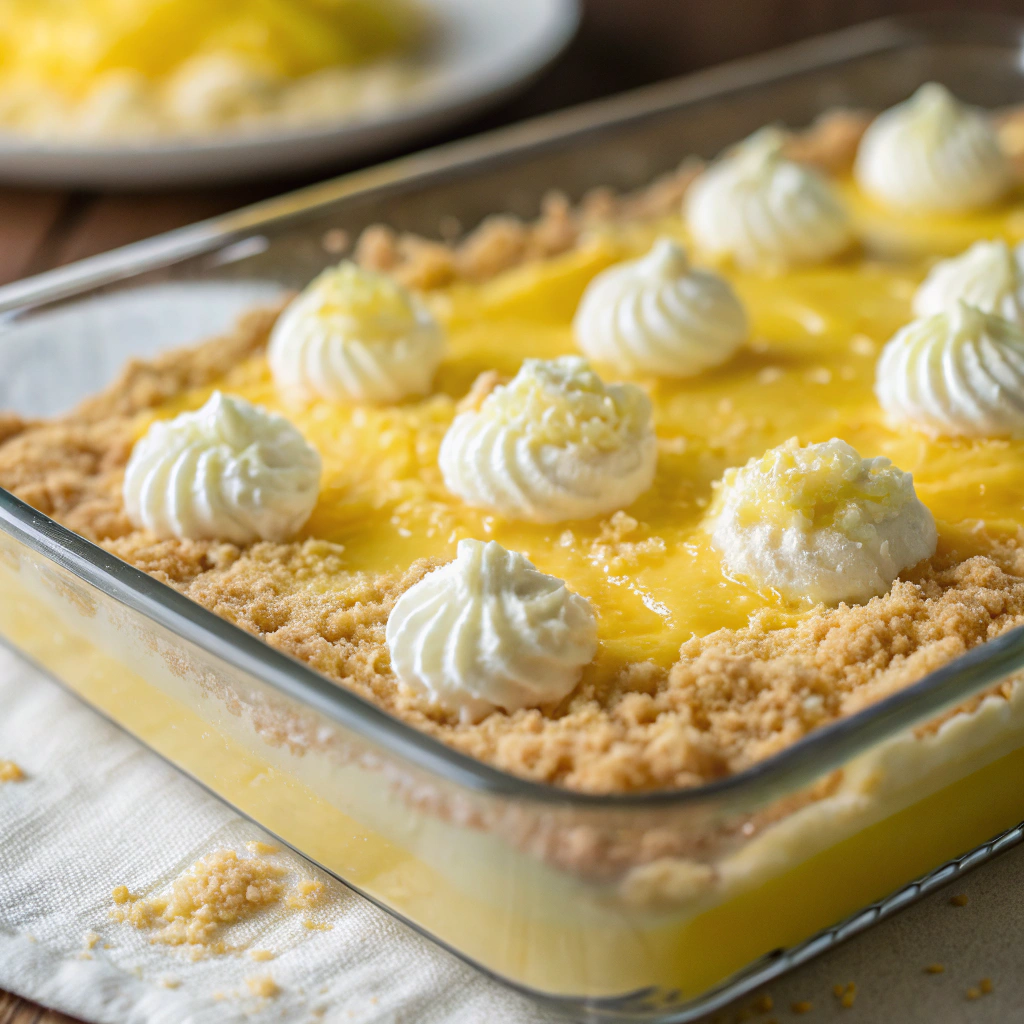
{"x":217,"y":890}
{"x":731,"y":699}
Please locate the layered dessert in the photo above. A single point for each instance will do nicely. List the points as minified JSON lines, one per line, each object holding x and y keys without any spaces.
{"x":629,"y":500}
{"x":104,"y":70}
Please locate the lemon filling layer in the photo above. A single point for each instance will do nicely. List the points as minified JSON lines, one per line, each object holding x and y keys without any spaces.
{"x":649,"y":570}
{"x":149,"y":67}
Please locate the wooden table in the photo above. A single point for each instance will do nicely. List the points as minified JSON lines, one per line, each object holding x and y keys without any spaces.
{"x":621,"y":44}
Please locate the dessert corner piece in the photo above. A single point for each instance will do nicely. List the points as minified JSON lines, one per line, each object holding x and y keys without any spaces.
{"x":748,"y":479}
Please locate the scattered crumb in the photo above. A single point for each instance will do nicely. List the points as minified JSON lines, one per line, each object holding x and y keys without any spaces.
{"x":85,"y":956}
{"x":313,"y":926}
{"x":260,"y":955}
{"x":804,"y":1006}
{"x":985,"y":985}
{"x":958,"y":901}
{"x":170,"y":982}
{"x":764,"y":1004}
{"x":10,"y":772}
{"x":263,"y":985}
{"x":262,"y":849}
{"x":307,"y":893}
{"x":622,"y":544}
{"x":217,"y":890}
{"x":121,"y":895}
{"x":973,"y":993}
{"x":90,"y":939}
{"x":934,"y":969}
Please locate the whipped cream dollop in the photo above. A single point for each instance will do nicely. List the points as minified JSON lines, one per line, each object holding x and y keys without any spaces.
{"x":555,"y":443}
{"x":230,"y":471}
{"x":820,"y":524}
{"x":989,"y":275}
{"x":488,"y":631}
{"x":765,"y":210}
{"x":933,"y":153}
{"x":659,"y":315}
{"x":955,"y":374}
{"x":355,"y":336}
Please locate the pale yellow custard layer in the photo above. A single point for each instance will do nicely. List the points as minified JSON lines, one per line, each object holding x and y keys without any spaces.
{"x":807,"y":372}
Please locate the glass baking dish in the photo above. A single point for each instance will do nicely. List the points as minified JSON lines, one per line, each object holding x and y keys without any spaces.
{"x":658,"y":906}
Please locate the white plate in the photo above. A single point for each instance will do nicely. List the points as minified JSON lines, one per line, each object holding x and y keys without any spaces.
{"x":485,"y":49}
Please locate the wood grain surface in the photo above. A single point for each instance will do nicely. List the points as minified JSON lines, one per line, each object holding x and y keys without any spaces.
{"x":621,"y":44}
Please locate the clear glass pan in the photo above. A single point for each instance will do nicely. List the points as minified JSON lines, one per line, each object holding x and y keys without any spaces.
{"x":657,"y":906}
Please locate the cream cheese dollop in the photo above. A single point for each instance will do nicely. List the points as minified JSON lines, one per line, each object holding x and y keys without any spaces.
{"x":765,"y":210}
{"x":554,"y":444}
{"x":955,"y":374}
{"x":933,"y":153}
{"x":488,"y":631}
{"x":355,"y":335}
{"x":658,"y":315}
{"x":230,"y":471}
{"x":989,"y":276}
{"x":820,"y":524}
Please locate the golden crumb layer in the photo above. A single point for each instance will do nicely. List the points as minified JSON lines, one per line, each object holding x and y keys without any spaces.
{"x":218,"y":890}
{"x":731,"y":699}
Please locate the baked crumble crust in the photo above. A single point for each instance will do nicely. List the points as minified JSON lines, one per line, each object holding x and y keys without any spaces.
{"x":733,"y":698}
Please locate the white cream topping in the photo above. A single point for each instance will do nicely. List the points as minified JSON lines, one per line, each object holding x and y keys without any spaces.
{"x":488,"y":631}
{"x":229,"y":471}
{"x":554,"y":444}
{"x":764,"y":210}
{"x":658,"y":315}
{"x":955,"y":374}
{"x":933,"y":153}
{"x":355,"y":336}
{"x":820,"y":524}
{"x":989,"y":275}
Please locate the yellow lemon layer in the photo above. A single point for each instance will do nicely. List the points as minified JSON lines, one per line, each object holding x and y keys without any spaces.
{"x":808,"y":372}
{"x":68,"y":44}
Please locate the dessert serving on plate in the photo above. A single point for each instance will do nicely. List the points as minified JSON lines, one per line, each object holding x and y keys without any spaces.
{"x":628,"y":500}
{"x":100,"y":69}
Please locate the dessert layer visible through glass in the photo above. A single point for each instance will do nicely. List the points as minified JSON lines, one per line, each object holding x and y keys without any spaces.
{"x":658,"y":586}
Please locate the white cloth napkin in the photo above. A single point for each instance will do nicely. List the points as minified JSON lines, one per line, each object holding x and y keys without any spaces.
{"x":97,"y":810}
